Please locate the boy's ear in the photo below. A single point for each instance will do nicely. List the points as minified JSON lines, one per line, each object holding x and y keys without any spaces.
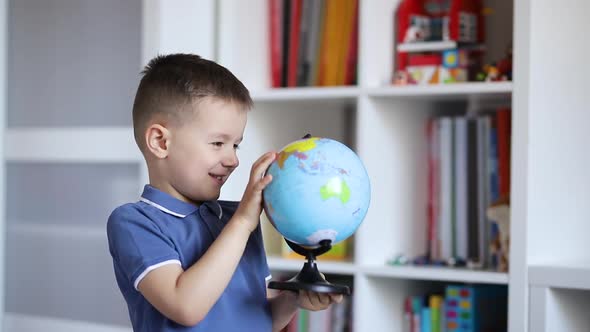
{"x":157,"y":138}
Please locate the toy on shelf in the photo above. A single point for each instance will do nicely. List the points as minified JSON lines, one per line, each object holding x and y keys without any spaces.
{"x":501,"y":71}
{"x":499,"y":212}
{"x":438,"y":41}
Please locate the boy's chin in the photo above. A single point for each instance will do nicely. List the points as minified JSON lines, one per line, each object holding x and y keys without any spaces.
{"x":211,"y":197}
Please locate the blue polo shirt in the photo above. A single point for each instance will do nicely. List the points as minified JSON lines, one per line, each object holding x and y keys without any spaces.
{"x":160,"y":230}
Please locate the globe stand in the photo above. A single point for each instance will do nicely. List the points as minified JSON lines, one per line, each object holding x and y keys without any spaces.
{"x":310,"y":278}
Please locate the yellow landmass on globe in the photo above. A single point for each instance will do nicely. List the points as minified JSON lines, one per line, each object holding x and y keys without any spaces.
{"x":336,"y":187}
{"x":295,"y":147}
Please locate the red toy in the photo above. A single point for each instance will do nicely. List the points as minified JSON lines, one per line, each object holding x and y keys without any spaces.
{"x":432,"y":27}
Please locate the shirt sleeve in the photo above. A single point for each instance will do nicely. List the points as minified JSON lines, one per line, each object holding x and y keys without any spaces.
{"x":137,"y":244}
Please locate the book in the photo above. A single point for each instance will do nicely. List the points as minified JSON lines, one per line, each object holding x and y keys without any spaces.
{"x":503,"y":132}
{"x":446,"y":192}
{"x":275,"y":27}
{"x":461,"y":178}
{"x":294,"y":42}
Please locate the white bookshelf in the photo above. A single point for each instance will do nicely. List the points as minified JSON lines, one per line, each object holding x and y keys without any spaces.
{"x":549,"y":181}
{"x":67,"y":144}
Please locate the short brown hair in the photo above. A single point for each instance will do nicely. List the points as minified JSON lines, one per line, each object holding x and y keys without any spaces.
{"x":171,"y":82}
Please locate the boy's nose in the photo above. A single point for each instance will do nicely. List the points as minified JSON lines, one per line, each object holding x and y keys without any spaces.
{"x":231,"y":160}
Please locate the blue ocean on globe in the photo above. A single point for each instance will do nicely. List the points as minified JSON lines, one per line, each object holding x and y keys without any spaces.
{"x":320,"y":191}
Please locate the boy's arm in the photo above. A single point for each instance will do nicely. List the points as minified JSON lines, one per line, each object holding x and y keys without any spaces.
{"x":187,"y":296}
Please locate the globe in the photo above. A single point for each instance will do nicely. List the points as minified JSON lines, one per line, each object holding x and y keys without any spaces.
{"x":320,"y":191}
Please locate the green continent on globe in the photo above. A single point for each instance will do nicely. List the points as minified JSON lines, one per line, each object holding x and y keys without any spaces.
{"x":336,"y":187}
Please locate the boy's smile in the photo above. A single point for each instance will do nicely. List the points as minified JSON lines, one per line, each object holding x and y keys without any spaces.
{"x":220,"y":179}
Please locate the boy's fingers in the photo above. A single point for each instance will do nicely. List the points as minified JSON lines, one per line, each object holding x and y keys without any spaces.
{"x":262,"y":164}
{"x":325,"y":299}
{"x":260,"y":185}
{"x":336,"y":298}
{"x":314,"y":299}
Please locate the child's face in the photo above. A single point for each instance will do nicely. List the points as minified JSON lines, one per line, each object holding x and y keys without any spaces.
{"x":202,"y":152}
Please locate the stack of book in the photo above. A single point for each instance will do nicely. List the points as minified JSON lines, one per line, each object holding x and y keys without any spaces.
{"x":468,"y":171}
{"x":337,"y":318}
{"x":313,"y":42}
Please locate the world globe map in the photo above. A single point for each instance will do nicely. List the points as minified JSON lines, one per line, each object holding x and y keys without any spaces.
{"x":320,"y":191}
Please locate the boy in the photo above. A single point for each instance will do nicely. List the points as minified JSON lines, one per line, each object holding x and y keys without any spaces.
{"x":183,"y":260}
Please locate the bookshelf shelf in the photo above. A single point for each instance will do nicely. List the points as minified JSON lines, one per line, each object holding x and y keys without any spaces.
{"x":56,"y":230}
{"x":426,"y":46}
{"x":76,"y":145}
{"x":307,"y":93}
{"x":445,"y":91}
{"x":294,"y":265}
{"x":436,"y":274}
{"x":573,"y":276}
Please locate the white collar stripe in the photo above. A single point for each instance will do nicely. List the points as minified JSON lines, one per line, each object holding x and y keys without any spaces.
{"x":160,"y":207}
{"x":220,"y":210}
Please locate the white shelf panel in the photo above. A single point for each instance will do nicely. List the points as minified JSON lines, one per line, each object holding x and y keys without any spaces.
{"x":428,"y":46}
{"x":57,"y":230}
{"x":293,"y":265}
{"x":436,"y":274}
{"x":92,"y":144}
{"x":306,"y":93}
{"x":574,"y":276}
{"x":28,"y":323}
{"x":444,"y":91}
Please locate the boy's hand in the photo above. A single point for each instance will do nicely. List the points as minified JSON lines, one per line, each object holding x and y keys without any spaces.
{"x":250,"y":207}
{"x":317,"y":301}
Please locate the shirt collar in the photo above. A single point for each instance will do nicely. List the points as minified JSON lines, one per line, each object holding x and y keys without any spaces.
{"x":166,"y":203}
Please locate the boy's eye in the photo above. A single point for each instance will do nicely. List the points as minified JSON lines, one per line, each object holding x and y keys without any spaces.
{"x":217,"y":144}
{"x":236,"y":146}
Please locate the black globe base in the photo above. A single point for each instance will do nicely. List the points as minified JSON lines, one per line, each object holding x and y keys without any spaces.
{"x":310,"y":278}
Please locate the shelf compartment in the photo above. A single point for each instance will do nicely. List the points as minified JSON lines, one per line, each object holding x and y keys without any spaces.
{"x":37,"y":285}
{"x":574,"y":276}
{"x":295,"y":265}
{"x":19,"y":322}
{"x":558,"y":309}
{"x":77,"y":195}
{"x":456,"y":91}
{"x":73,"y":145}
{"x":72,"y":63}
{"x":436,"y":274}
